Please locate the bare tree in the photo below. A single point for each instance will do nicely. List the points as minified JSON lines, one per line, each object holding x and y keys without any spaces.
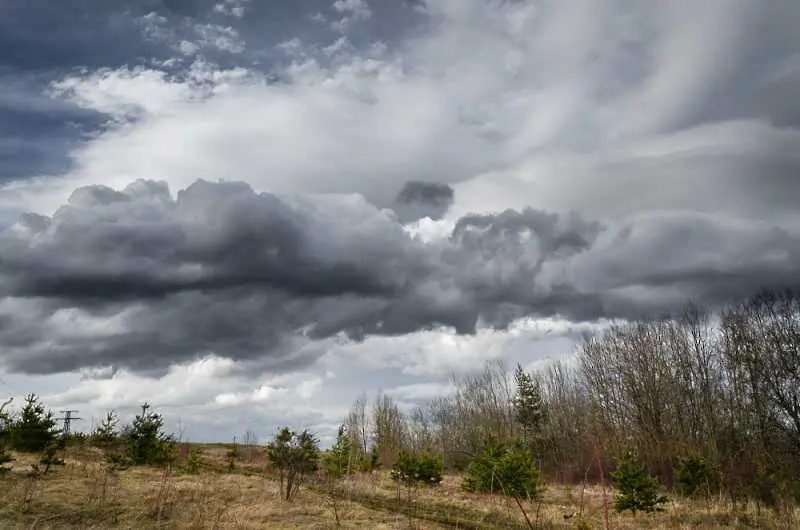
{"x":358,"y":428}
{"x":389,"y":428}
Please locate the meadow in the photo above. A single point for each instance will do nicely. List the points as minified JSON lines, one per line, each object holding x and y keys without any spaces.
{"x":87,"y":493}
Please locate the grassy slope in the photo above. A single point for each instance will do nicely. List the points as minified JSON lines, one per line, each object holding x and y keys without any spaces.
{"x":83,"y":495}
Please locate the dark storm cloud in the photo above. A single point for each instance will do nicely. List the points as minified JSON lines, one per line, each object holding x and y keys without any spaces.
{"x":419,"y":199}
{"x":135,"y":278}
{"x":150,"y":245}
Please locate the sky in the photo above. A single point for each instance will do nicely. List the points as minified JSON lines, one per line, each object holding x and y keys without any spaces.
{"x":248,"y":212}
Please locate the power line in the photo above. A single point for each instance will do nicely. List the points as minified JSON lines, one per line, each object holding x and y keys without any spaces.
{"x":68,"y":418}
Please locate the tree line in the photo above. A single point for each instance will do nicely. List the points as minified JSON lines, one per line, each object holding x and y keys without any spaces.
{"x":704,"y":401}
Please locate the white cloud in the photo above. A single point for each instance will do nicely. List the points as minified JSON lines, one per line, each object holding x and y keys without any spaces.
{"x":235,"y":8}
{"x":527,"y":104}
{"x":354,"y":11}
{"x":125,"y":93}
{"x":224,"y":38}
{"x":212,"y":399}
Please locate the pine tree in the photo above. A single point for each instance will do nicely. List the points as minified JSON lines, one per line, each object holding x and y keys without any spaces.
{"x":194,"y":461}
{"x":638,"y":491}
{"x":231,"y":455}
{"x":528,"y":404}
{"x":147,"y":443}
{"x":106,"y":433}
{"x":34,"y":429}
{"x":414,"y":470}
{"x":294,"y":456}
{"x":503,"y":469}
{"x":337,"y":461}
{"x":694,"y":474}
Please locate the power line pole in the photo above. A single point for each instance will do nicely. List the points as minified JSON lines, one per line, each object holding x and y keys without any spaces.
{"x":68,"y":418}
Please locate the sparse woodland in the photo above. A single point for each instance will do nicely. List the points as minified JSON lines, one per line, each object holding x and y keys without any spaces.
{"x":691,"y":421}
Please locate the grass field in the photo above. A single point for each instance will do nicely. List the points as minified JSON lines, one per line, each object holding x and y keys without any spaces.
{"x":84,"y":494}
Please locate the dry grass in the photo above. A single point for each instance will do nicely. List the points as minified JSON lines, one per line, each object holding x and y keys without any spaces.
{"x":84,"y":494}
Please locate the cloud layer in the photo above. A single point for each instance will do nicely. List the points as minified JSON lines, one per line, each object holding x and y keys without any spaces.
{"x":386,"y":177}
{"x":138,"y":279}
{"x":622,"y":107}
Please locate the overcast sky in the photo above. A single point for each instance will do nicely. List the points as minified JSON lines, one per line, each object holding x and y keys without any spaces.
{"x":246,"y":212}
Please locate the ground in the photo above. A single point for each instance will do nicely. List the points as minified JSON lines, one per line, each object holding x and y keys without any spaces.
{"x":83,"y":494}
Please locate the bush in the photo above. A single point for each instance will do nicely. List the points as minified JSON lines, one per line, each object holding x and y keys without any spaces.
{"x":34,"y":429}
{"x":413,"y":470}
{"x":369,"y":462}
{"x":772,"y":485}
{"x":337,"y":461}
{"x":507,"y":470}
{"x":193,"y":461}
{"x":638,"y":491}
{"x":146,"y":442}
{"x":694,"y":473}
{"x":118,"y":461}
{"x":294,"y":455}
{"x":5,"y":458}
{"x":50,"y":456}
{"x":231,"y":455}
{"x":106,"y":435}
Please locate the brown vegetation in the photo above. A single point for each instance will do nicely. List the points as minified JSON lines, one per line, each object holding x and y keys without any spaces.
{"x":84,"y":494}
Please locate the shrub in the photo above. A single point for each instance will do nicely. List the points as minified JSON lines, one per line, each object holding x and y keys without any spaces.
{"x":771,"y":485}
{"x":146,"y":443}
{"x":337,"y":461}
{"x":50,"y":456}
{"x":193,"y":461}
{"x":413,"y":470}
{"x":34,"y":429}
{"x":369,"y":462}
{"x":507,"y":470}
{"x":294,"y":455}
{"x":638,"y":491}
{"x":78,"y":439}
{"x":106,"y":434}
{"x":5,"y":458}
{"x":231,"y":455}
{"x":694,"y":473}
{"x":118,"y":461}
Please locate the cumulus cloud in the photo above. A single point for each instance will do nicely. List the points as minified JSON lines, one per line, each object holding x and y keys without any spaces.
{"x":516,"y":102}
{"x":139,"y":279}
{"x":403,"y":174}
{"x":213,"y":397}
{"x":207,"y":398}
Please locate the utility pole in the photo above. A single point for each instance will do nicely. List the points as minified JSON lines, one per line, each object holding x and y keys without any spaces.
{"x":68,"y":418}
